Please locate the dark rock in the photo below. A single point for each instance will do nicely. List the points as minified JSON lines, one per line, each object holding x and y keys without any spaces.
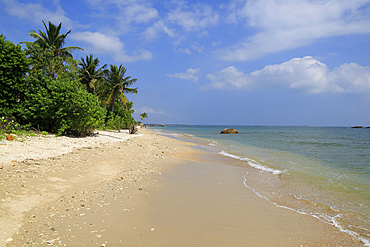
{"x":229,"y":131}
{"x":356,"y":127}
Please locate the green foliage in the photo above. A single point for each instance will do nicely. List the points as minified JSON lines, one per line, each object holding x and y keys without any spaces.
{"x":116,"y":85}
{"x":13,"y":67}
{"x":121,"y":118}
{"x":10,"y":126}
{"x":52,"y":66}
{"x":114,"y":122}
{"x":143,"y":115}
{"x":60,"y":106}
{"x":44,"y":89}
{"x":7,"y":125}
{"x":53,"y":40}
{"x":54,"y":100}
{"x":89,"y":74}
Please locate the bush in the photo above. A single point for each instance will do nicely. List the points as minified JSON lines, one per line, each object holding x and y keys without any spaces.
{"x":121,"y":118}
{"x":60,"y":106}
{"x":13,"y":67}
{"x":7,"y":125}
{"x":114,"y":122}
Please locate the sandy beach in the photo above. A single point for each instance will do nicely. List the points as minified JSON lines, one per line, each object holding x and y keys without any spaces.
{"x":116,"y":189}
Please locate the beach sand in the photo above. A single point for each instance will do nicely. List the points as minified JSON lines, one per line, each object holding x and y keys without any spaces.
{"x":117,"y":189}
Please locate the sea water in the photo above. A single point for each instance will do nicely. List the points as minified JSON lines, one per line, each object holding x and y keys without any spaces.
{"x":321,"y":171}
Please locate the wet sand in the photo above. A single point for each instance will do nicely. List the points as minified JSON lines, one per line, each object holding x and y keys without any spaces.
{"x":148,"y":190}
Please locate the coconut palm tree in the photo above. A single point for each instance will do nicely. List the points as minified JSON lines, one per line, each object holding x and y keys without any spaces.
{"x":89,"y":75}
{"x":143,"y":115}
{"x":117,"y":84}
{"x":53,"y":40}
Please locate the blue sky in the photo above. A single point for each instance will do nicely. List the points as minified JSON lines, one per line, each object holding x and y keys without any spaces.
{"x":249,"y":62}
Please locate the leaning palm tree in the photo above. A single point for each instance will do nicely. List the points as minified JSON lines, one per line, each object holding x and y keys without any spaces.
{"x":89,"y":75}
{"x":143,"y":115}
{"x":53,"y":40}
{"x":117,"y":84}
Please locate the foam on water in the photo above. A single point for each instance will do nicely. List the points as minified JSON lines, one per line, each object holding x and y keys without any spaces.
{"x":328,"y":219}
{"x":252,"y":163}
{"x":322,"y":171}
{"x":213,"y":143}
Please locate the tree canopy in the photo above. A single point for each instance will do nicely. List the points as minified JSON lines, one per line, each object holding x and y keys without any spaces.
{"x":45,"y":88}
{"x":13,"y":68}
{"x":89,"y":73}
{"x":53,"y":40}
{"x":117,"y":84}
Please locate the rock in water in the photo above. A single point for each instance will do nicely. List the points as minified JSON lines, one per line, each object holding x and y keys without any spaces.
{"x":229,"y":131}
{"x":9,"y":138}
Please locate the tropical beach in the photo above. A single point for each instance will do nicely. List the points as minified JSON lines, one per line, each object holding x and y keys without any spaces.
{"x":116,"y":189}
{"x":184,"y":123}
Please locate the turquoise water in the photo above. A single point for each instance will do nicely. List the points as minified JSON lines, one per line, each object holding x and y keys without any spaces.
{"x":321,"y":171}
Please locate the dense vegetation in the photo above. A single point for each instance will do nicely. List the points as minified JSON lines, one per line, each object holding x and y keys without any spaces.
{"x":44,"y":88}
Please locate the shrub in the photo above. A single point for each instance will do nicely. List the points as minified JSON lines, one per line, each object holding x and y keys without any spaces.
{"x":121,"y":118}
{"x":60,"y":106}
{"x":13,"y":67}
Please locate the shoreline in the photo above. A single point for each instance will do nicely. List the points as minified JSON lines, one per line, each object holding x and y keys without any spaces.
{"x":112,"y":190}
{"x":270,"y":177}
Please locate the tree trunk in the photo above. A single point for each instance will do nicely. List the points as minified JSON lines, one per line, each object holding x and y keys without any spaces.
{"x":114,"y":99}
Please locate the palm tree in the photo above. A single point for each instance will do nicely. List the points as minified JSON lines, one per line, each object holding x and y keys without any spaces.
{"x":53,"y":40}
{"x":143,"y":115}
{"x":89,"y":74}
{"x":118,"y":84}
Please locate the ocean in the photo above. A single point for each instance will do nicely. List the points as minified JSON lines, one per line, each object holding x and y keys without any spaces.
{"x":320,"y":171}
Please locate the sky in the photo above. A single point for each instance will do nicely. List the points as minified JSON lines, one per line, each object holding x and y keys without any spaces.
{"x":225,"y":62}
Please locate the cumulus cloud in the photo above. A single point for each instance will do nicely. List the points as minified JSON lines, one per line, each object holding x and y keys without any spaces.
{"x":106,"y":44}
{"x":229,"y":77}
{"x":284,"y":25}
{"x":189,"y":75}
{"x":35,"y":13}
{"x":305,"y":74}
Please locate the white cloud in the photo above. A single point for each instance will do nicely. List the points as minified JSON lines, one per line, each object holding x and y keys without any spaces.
{"x":125,"y":13}
{"x":304,"y":74}
{"x":288,"y":24}
{"x":185,"y":50}
{"x":151,"y":110}
{"x":193,"y":17}
{"x":190,"y":17}
{"x":229,"y":77}
{"x":353,"y":78}
{"x":195,"y":47}
{"x":158,"y":27}
{"x":139,"y":12}
{"x":189,"y":75}
{"x":35,"y":13}
{"x":301,"y":74}
{"x":103,"y":44}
